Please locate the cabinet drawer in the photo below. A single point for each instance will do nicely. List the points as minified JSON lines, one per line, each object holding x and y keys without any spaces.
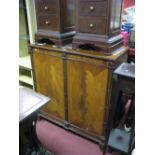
{"x":46,"y":6}
{"x":48,"y":22}
{"x":93,"y":8}
{"x":95,"y":25}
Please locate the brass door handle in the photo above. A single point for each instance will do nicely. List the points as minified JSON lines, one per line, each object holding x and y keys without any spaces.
{"x":92,"y":8}
{"x":91,"y":25}
{"x":47,"y":22}
{"x":45,"y":8}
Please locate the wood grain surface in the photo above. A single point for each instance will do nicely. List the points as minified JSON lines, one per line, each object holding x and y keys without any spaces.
{"x":49,"y":80}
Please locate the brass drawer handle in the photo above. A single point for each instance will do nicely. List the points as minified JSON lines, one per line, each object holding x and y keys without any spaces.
{"x":91,"y":25}
{"x":47,"y":22}
{"x":46,"y":8}
{"x":92,"y":8}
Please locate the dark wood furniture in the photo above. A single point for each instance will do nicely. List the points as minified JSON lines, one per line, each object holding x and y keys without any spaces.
{"x":30,"y":103}
{"x":55,"y":21}
{"x":79,"y":83}
{"x":98,"y":24}
{"x":123,"y":91}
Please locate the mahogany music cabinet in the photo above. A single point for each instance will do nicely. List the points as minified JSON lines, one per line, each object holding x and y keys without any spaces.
{"x":79,"y":83}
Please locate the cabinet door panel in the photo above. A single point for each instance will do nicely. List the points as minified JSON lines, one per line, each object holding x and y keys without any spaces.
{"x":87,"y":88}
{"x":40,"y":71}
{"x":48,"y":69}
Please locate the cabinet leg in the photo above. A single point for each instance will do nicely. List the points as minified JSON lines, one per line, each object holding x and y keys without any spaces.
{"x":102,"y":147}
{"x":66,"y":125}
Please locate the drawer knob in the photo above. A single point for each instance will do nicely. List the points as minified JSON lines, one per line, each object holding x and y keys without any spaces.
{"x":45,"y":8}
{"x":46,"y":22}
{"x":91,"y":25}
{"x":92,"y":8}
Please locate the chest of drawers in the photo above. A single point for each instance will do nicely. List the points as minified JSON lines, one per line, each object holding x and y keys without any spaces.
{"x":98,"y":24}
{"x":55,"y":21}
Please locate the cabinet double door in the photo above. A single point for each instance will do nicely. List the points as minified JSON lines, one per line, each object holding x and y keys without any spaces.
{"x":77,"y":86}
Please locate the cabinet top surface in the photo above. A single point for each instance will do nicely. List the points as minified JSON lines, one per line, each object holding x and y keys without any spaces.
{"x":88,"y":53}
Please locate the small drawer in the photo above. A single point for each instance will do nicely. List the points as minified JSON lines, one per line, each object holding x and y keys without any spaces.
{"x":48,"y":22}
{"x":93,"y":8}
{"x":95,"y":25}
{"x":46,"y":7}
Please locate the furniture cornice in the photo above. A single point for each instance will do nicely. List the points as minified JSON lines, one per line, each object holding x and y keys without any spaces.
{"x":87,"y":53}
